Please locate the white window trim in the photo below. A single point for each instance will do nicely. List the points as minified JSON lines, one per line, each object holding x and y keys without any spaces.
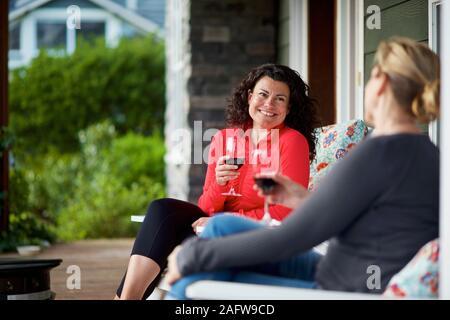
{"x":28,"y":39}
{"x":298,"y":37}
{"x":28,"y":33}
{"x":433,"y":128}
{"x":444,"y":250}
{"x":350,"y":60}
{"x":431,"y":19}
{"x":359,"y":56}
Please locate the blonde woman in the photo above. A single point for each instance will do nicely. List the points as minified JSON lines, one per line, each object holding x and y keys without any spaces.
{"x":378,"y":206}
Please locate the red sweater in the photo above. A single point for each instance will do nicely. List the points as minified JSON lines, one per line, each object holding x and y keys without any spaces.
{"x":293,"y":162}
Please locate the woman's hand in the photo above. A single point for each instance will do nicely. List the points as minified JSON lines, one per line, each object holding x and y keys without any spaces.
{"x":173,"y":274}
{"x":200,"y":222}
{"x":286,"y":192}
{"x":225,"y":172}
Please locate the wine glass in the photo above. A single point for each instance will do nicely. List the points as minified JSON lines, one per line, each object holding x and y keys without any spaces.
{"x":230,"y":152}
{"x":265,"y":184}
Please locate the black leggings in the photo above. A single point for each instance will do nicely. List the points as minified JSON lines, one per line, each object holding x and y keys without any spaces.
{"x":166,"y":224}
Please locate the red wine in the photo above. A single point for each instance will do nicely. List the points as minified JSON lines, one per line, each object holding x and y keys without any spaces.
{"x":235,"y":162}
{"x":266,"y":184}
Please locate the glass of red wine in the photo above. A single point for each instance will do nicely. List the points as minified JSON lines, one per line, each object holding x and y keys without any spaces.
{"x":264,"y":183}
{"x":230,"y":147}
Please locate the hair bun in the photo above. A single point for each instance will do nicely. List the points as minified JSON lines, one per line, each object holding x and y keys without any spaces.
{"x":426,"y":105}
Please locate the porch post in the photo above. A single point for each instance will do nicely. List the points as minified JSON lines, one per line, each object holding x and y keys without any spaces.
{"x":444,"y":259}
{"x":4,"y":107}
{"x":298,"y":37}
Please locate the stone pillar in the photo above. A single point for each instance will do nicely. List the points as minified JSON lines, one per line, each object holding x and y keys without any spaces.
{"x":220,"y":42}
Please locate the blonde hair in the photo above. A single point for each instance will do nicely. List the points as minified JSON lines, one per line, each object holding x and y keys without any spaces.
{"x":414,"y":74}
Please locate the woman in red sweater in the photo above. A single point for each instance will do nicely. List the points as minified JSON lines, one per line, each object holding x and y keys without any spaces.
{"x":270,"y":113}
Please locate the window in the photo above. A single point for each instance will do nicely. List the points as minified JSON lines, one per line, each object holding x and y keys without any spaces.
{"x":55,"y":35}
{"x":14,"y":37}
{"x":91,"y":30}
{"x":14,"y":42}
{"x":438,"y":26}
{"x":434,"y":29}
{"x":52,"y":35}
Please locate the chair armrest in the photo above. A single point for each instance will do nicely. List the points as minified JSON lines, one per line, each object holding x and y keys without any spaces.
{"x":137,"y":218}
{"x":222,"y":290}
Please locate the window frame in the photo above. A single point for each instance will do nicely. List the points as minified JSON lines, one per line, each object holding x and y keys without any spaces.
{"x":433,"y":40}
{"x":350,"y":60}
{"x":52,"y":22}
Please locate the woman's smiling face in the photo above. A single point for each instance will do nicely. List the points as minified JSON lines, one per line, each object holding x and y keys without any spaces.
{"x":268,"y":103}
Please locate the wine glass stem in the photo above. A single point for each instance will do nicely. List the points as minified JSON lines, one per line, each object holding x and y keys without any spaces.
{"x":266,"y":208}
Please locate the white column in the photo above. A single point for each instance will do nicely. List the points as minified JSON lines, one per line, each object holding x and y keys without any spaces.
{"x":71,"y":40}
{"x":345,"y":62}
{"x":298,"y":37}
{"x":28,"y":39}
{"x":360,"y":25}
{"x":178,"y":71}
{"x":444,"y":259}
{"x":113,"y":33}
{"x":349,"y":60}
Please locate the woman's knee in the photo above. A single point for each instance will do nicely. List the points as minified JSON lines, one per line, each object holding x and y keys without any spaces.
{"x":173,"y":210}
{"x":158,"y":209}
{"x":157,"y":205}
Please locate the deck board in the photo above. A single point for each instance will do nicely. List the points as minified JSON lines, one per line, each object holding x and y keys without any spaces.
{"x":102,"y":264}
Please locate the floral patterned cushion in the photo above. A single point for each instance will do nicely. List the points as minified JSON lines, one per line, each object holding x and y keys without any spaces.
{"x":420,"y":277}
{"x":333,"y":143}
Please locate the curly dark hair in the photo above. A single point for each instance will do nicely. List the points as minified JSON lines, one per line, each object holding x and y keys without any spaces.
{"x":303,"y":109}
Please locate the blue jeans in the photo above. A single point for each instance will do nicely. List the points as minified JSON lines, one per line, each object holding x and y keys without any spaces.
{"x":297,"y":271}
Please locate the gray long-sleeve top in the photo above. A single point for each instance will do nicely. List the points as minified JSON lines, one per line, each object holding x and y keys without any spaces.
{"x":378,"y":206}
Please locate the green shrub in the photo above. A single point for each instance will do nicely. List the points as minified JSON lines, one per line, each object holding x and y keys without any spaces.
{"x":132,"y":156}
{"x":25,"y":228}
{"x":19,"y":192}
{"x":53,"y":183}
{"x":103,"y":209}
{"x":73,"y":170}
{"x":54,"y":98}
{"x":6,"y":140}
{"x":93,"y":193}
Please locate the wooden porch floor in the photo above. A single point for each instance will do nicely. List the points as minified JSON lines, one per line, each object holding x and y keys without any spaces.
{"x":102,"y":264}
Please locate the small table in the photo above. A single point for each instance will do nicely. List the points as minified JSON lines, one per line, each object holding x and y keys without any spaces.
{"x":26,"y":279}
